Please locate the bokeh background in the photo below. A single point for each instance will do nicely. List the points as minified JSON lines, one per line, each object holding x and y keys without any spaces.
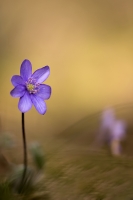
{"x":88,"y":45}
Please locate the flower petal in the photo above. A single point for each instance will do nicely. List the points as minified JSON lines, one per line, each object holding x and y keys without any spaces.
{"x":44,"y":91}
{"x":26,"y":69}
{"x":39,"y":104}
{"x":41,"y":74}
{"x":25,"y":103}
{"x":18,"y":91}
{"x":17,"y":80}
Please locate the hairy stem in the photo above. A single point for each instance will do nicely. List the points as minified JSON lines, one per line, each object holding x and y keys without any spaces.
{"x":25,"y":155}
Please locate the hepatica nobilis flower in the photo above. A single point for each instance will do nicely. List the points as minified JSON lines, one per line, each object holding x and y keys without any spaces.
{"x":30,"y":89}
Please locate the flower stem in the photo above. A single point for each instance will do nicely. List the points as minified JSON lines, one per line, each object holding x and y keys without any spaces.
{"x":25,"y":155}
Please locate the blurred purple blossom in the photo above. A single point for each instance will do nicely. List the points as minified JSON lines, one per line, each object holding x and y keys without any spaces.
{"x":29,"y":88}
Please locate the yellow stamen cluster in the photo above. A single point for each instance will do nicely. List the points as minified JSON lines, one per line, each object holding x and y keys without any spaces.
{"x":30,"y":87}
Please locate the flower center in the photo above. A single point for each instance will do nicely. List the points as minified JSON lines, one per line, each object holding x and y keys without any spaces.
{"x":32,"y":86}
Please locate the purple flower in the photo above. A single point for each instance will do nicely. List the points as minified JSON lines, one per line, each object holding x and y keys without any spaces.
{"x":30,"y":89}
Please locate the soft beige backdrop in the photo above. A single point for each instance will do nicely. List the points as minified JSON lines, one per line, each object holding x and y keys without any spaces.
{"x":88,"y":46}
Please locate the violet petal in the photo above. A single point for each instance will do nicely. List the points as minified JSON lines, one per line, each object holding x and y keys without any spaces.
{"x":18,"y":91}
{"x":26,"y":69}
{"x":17,"y":80}
{"x":25,"y":103}
{"x":40,"y":75}
{"x":39,"y":104}
{"x":44,"y":91}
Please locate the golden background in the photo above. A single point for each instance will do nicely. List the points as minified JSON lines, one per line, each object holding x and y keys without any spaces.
{"x":89,"y":48}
